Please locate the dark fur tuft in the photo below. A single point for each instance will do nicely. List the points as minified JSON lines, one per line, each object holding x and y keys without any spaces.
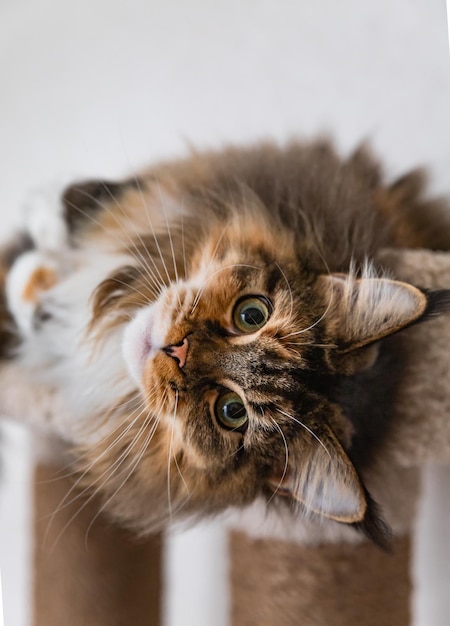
{"x":374,"y":527}
{"x":438,"y":303}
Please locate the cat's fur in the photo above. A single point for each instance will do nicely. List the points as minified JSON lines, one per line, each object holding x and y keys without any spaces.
{"x":131,"y":314}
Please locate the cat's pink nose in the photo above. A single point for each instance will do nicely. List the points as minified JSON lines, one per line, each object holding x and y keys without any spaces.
{"x":178,"y":351}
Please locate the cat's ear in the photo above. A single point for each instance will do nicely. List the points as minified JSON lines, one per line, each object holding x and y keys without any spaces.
{"x":361,"y":311}
{"x":319,"y":475}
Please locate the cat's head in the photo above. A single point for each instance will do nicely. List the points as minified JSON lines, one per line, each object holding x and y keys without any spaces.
{"x":235,"y":343}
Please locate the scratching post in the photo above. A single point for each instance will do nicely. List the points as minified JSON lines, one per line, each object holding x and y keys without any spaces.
{"x":277,"y":583}
{"x":105,"y":578}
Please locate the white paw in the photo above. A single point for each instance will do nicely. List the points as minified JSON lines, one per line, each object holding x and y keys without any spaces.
{"x":31,"y":274}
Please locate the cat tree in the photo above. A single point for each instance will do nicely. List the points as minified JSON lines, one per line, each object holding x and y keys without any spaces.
{"x":115,"y":580}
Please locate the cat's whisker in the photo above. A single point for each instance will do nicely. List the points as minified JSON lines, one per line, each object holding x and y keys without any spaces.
{"x":183,"y":246}
{"x":111,"y":232}
{"x":291,"y":295}
{"x":312,"y":344}
{"x":65,"y":502}
{"x":150,"y":223}
{"x":157,"y":278}
{"x":139,"y":456}
{"x":135,"y":464}
{"x":115,"y":412}
{"x":286,"y":460}
{"x":211,"y":259}
{"x":311,"y":432}
{"x":315,"y":241}
{"x":233,"y":454}
{"x":316,"y":322}
{"x":329,"y":301}
{"x":96,"y":491}
{"x":117,"y":440}
{"x":175,"y":269}
{"x":137,"y":234}
{"x":78,"y":466}
{"x":174,"y":416}
{"x":133,"y":288}
{"x":169,"y":458}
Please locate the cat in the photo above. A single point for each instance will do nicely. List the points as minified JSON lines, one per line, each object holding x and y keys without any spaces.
{"x":219,"y":329}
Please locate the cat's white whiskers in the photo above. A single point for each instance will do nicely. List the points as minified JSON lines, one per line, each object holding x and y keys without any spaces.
{"x":137,"y":234}
{"x":133,"y":288}
{"x":315,"y":323}
{"x":65,"y":502}
{"x":291,"y":296}
{"x":79,"y":467}
{"x":155,"y":417}
{"x":311,"y":432}
{"x":286,"y":459}
{"x":304,"y":342}
{"x":312,"y":344}
{"x":211,"y":259}
{"x":135,"y":400}
{"x":155,"y":238}
{"x":88,"y":468}
{"x":100,"y":487}
{"x":233,"y":454}
{"x":175,"y":456}
{"x":175,"y":269}
{"x":133,"y":467}
{"x":169,"y":457}
{"x":183,"y":246}
{"x":327,"y":267}
{"x":111,"y":232}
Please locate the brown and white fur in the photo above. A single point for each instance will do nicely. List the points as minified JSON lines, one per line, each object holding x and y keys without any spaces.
{"x":128,"y":302}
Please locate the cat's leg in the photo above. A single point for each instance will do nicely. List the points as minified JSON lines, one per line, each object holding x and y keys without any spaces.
{"x":55,"y":220}
{"x":21,"y":397}
{"x":36,"y":261}
{"x":31,"y":264}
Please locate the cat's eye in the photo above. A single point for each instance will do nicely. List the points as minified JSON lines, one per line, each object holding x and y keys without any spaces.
{"x":230,"y":411}
{"x":251,"y":313}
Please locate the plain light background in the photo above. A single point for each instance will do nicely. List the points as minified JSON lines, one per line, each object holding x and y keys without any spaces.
{"x":102,"y":87}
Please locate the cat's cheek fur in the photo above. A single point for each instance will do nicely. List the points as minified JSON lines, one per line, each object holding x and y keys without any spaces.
{"x":139,"y":343}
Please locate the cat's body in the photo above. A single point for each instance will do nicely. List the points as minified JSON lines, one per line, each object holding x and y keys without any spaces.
{"x":219,"y":329}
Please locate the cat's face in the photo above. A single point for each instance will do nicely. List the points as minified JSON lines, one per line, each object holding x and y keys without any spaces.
{"x":231,"y":359}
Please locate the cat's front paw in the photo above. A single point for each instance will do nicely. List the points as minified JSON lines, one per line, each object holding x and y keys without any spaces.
{"x":31,"y":274}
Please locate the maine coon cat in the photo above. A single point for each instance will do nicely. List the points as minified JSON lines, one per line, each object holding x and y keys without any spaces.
{"x":220,"y":329}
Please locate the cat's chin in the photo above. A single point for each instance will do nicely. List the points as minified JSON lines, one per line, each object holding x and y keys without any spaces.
{"x":139,"y":344}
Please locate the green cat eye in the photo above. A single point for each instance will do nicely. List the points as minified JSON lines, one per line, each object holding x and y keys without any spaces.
{"x":230,"y":411}
{"x":251,"y":313}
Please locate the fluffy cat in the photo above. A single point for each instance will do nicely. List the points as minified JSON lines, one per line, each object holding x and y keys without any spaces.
{"x":219,"y":329}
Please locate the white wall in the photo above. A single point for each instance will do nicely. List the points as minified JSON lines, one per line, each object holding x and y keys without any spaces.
{"x":99,"y":87}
